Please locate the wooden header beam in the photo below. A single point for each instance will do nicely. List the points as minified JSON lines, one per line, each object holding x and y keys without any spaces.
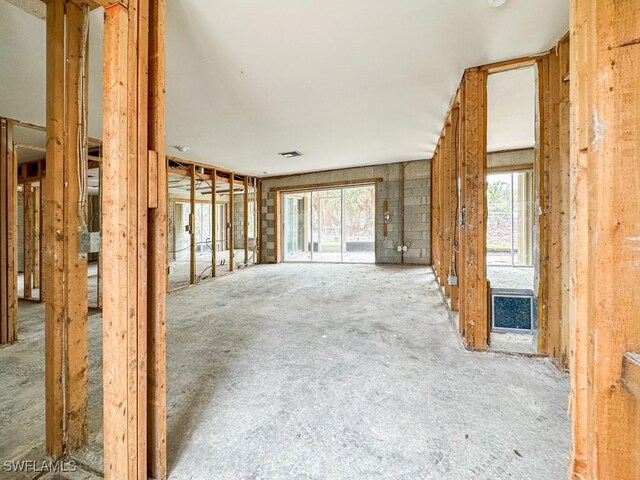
{"x":364,"y":181}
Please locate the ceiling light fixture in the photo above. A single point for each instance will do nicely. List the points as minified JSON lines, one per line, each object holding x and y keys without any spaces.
{"x":496,"y":3}
{"x":182,"y":148}
{"x":290,"y":154}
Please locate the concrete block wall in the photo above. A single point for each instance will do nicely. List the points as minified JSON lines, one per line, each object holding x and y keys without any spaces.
{"x":417,"y":205}
{"x":511,"y":158}
{"x":238,"y":221}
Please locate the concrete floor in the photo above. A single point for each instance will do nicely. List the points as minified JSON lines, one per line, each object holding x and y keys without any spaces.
{"x":319,"y":371}
{"x":181,"y":268}
{"x":92,"y":286}
{"x":328,"y":257}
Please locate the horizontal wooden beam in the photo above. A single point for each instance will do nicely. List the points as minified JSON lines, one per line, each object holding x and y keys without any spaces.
{"x":513,"y":64}
{"x":313,"y":186}
{"x":511,"y":168}
{"x":187,"y":163}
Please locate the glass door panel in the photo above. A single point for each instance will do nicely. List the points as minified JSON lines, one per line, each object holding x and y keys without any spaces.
{"x":326,"y":223}
{"x":499,"y":219}
{"x":359,"y":224}
{"x":297,"y":241}
{"x":332,"y":225}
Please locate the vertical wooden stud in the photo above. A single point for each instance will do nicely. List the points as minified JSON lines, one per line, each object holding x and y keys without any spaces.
{"x":474,"y":288}
{"x":231,"y":218}
{"x":605,"y":228}
{"x":214,"y":222}
{"x":245,"y":220}
{"x":157,"y":244}
{"x":192,"y":224}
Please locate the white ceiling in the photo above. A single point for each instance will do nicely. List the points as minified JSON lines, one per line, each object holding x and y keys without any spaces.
{"x":347,"y":83}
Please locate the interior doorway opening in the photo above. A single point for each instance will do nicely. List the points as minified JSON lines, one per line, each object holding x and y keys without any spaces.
{"x":511,"y":241}
{"x":331,"y":225}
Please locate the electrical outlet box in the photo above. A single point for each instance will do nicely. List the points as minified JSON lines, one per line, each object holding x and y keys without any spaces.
{"x":88,"y":242}
{"x":453,"y":280}
{"x":399,"y":248}
{"x":405,"y":248}
{"x":169,"y":270}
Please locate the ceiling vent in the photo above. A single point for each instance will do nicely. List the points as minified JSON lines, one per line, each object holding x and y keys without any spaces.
{"x":290,"y":154}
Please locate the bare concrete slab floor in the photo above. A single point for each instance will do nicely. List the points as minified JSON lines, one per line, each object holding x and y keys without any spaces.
{"x":180,"y":269}
{"x":323,"y":372}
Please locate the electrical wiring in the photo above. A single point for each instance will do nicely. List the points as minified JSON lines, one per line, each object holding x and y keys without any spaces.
{"x":83,"y":137}
{"x":454,"y":243}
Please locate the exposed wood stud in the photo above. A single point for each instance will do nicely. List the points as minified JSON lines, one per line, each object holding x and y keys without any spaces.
{"x":214,"y":223}
{"x":192,"y":225}
{"x":53,"y":226}
{"x":473,"y":295}
{"x":74,"y":278}
{"x":8,"y":248}
{"x":453,"y":203}
{"x":245,"y":220}
{"x":157,"y":260}
{"x":605,"y":228}
{"x":231,"y":219}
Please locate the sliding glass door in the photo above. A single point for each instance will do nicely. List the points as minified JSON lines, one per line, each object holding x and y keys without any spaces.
{"x":296,"y":226}
{"x":510,"y":219}
{"x":329,"y":225}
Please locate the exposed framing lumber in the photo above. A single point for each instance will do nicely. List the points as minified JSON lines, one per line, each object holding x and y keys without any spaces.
{"x":435,"y":216}
{"x":75,"y":281}
{"x":452,"y":206}
{"x":27,"y":240}
{"x":258,"y":213}
{"x":134,"y":239}
{"x":192,"y":225}
{"x":65,"y":272}
{"x":563,"y":199}
{"x":446,"y":205}
{"x":37,"y":226}
{"x":442,"y":213}
{"x":157,"y":241}
{"x":314,"y":186}
{"x":223,"y":173}
{"x":551,"y":195}
{"x":512,"y":64}
{"x":8,"y":260}
{"x":245,"y":220}
{"x":511,"y":168}
{"x":605,"y":228}
{"x":53,"y":258}
{"x":473,"y":299}
{"x":230,"y":218}
{"x":290,"y":175}
{"x":214,"y":223}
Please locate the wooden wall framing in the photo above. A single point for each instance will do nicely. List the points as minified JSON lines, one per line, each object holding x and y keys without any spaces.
{"x":134,"y":240}
{"x":208,"y":173}
{"x":65,"y":271}
{"x":8,"y":240}
{"x":605,"y":236}
{"x":459,"y":209}
{"x":551,"y":171}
